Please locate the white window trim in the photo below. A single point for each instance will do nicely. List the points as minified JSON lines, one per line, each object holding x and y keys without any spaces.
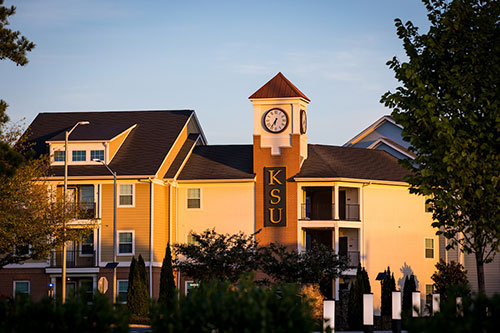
{"x":79,"y":150}
{"x":187,"y":198}
{"x":433,"y":248}
{"x":22,"y":255}
{"x":103,"y":156}
{"x":14,"y":287}
{"x":80,"y":243}
{"x":118,"y":289}
{"x":118,"y":196}
{"x":118,"y":232}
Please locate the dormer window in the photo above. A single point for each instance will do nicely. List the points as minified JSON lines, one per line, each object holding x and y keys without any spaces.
{"x":79,"y":155}
{"x":59,"y":156}
{"x":97,"y":155}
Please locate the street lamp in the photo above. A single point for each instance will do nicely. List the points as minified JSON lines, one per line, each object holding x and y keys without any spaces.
{"x":65,"y":199}
{"x":114,"y":226}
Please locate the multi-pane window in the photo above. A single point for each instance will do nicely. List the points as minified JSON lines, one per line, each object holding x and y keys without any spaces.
{"x":429,"y":290}
{"x":87,"y":245}
{"x":22,"y":250}
{"x":193,"y":198}
{"x":429,"y":248}
{"x":126,"y":195}
{"x":97,"y":155}
{"x":21,"y":287}
{"x":79,"y":155}
{"x":122,"y":291}
{"x":428,"y":205}
{"x":125,"y":242}
{"x":59,"y":156}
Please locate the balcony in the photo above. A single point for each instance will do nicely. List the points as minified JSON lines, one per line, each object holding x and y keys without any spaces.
{"x":352,"y":258}
{"x":326,"y":212}
{"x":74,"y":259}
{"x":84,"y":210}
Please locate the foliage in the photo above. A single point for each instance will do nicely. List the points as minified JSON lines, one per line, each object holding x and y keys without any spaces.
{"x":360,"y":286}
{"x":319,"y":265}
{"x":388,"y":286}
{"x":137,"y":294}
{"x":76,"y":315}
{"x":409,"y":287}
{"x":449,"y":105}
{"x":14,"y":47}
{"x":31,"y":216}
{"x":448,"y":275}
{"x":219,"y":256}
{"x":167,"y":283}
{"x":220,"y":306}
{"x":470,"y":317}
{"x":141,"y":266}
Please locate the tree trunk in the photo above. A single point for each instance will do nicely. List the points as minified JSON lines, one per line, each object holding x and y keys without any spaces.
{"x":480,"y":272}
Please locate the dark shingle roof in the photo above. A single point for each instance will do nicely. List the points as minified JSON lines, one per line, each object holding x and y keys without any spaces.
{"x":93,"y":132}
{"x":219,"y":162}
{"x":181,"y":155}
{"x":142,"y":152}
{"x":346,"y":162}
{"x":279,"y":86}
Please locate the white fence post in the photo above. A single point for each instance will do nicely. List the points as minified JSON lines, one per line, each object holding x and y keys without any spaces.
{"x":329,"y":314}
{"x":436,"y":298}
{"x":415,"y":306}
{"x":396,"y":311}
{"x":368,"y":312}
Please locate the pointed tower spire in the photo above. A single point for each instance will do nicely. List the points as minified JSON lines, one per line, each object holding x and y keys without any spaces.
{"x":278,"y":87}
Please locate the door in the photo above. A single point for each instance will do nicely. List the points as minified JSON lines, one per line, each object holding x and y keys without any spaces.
{"x":342,"y":201}
{"x":343,"y":246}
{"x":70,"y":289}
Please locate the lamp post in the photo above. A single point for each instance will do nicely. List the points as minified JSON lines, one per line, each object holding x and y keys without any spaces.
{"x":65,"y":199}
{"x":114,"y":226}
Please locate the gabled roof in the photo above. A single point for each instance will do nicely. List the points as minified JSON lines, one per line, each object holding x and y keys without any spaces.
{"x":93,"y":132}
{"x":182,"y":155}
{"x":219,"y":162}
{"x":142,"y":153}
{"x":371,"y":128}
{"x":347,"y":162}
{"x":394,"y":145}
{"x":278,"y":87}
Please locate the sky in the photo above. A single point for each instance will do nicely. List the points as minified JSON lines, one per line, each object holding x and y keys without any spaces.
{"x":209,"y":56}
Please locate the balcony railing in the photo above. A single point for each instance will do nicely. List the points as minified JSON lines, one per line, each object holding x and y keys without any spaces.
{"x":83,"y":210}
{"x":74,"y":259}
{"x":347,"y":212}
{"x":352,"y":258}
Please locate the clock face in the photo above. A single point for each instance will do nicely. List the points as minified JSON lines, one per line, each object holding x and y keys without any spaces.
{"x":275,"y":120}
{"x":303,"y":122}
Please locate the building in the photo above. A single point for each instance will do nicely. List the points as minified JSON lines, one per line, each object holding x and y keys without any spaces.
{"x":171,"y":183}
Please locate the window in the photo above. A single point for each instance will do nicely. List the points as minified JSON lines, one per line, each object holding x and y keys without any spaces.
{"x":126,"y":242}
{"x":79,"y":155}
{"x":21,"y":250}
{"x":59,"y":156}
{"x":428,"y":205}
{"x":97,"y":155}
{"x":87,"y":245}
{"x":126,"y":195}
{"x":122,"y":291}
{"x":193,"y":198}
{"x":429,"y":248}
{"x":429,"y":290}
{"x":191,"y":240}
{"x":21,"y":287}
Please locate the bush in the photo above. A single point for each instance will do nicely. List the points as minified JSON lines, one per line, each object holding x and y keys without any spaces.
{"x":480,"y":314}
{"x":76,"y":315}
{"x":137,"y":296}
{"x":448,"y":276}
{"x":219,"y":306}
{"x":388,"y":286}
{"x":408,"y":288}
{"x":167,"y":283}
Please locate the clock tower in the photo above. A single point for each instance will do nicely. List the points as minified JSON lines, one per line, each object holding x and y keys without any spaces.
{"x":279,"y":149}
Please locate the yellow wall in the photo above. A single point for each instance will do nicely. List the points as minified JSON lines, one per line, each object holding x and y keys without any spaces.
{"x":161,"y":222}
{"x":395,"y":227}
{"x":227,"y":207}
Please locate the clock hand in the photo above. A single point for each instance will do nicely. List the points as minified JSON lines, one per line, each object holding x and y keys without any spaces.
{"x":275,"y":120}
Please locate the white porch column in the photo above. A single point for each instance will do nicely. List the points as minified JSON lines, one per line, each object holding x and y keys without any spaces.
{"x":336,"y":208}
{"x":336,"y":249}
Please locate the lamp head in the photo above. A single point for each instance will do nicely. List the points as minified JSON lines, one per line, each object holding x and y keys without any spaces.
{"x":83,"y":122}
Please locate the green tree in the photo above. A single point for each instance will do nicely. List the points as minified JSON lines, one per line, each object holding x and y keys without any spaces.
{"x":449,"y":105}
{"x":141,"y":266}
{"x":408,"y":288}
{"x":448,"y":276}
{"x":360,"y":286}
{"x":137,"y":296}
{"x":217,"y":256}
{"x":167,"y":283}
{"x":13,"y":46}
{"x":388,"y":286}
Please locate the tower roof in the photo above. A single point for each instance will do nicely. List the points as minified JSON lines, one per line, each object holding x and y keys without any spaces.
{"x":278,"y":87}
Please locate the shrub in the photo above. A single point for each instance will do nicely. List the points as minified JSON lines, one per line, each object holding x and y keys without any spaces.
{"x":76,"y":315}
{"x":167,"y":283}
{"x":388,"y":286}
{"x":448,"y":276}
{"x":137,"y":296}
{"x":219,"y":306}
{"x":408,"y":288}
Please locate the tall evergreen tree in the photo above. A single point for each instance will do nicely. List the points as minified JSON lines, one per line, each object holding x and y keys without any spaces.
{"x":360,"y":286}
{"x":141,"y":266}
{"x":408,"y":288}
{"x":388,"y":286}
{"x":167,"y":283}
{"x":137,"y":297}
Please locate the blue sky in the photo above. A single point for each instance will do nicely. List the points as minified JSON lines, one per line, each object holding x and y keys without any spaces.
{"x":209,"y":56}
